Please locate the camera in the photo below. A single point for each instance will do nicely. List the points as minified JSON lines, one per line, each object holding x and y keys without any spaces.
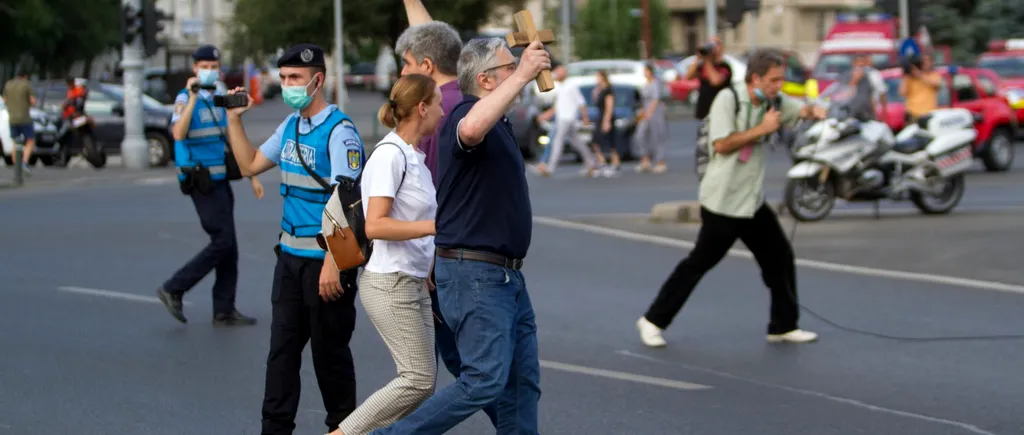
{"x":229,"y":101}
{"x":909,"y":62}
{"x":706,"y":49}
{"x":196,"y":87}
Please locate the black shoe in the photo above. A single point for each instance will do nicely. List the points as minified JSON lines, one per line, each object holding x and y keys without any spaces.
{"x":173,"y":304}
{"x":233,"y":318}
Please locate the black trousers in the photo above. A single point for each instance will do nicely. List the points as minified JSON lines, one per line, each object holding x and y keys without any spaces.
{"x":300,"y":315}
{"x":217,"y":216}
{"x":764,"y":238}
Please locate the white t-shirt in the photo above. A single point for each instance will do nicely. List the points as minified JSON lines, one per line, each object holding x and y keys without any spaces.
{"x":568,"y":102}
{"x":877,"y":84}
{"x":416,"y":201}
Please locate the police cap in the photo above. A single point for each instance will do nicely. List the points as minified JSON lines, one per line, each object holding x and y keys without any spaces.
{"x":206,"y":52}
{"x":302,"y":55}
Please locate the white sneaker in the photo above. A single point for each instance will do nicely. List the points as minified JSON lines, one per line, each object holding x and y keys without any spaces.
{"x":794,"y":336}
{"x":649,"y":334}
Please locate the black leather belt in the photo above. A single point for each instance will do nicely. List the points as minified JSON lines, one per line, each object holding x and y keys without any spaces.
{"x":487,"y":257}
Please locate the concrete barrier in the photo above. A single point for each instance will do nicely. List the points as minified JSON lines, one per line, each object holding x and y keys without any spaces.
{"x":689,"y":211}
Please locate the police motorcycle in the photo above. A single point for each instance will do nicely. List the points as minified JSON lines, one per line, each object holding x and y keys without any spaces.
{"x":860,"y":160}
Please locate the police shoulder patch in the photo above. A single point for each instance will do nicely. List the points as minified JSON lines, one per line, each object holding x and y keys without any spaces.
{"x":355,"y":156}
{"x":179,"y":108}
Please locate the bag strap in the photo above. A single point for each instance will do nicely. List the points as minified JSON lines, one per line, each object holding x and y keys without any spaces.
{"x":298,"y":152}
{"x":405,"y":163}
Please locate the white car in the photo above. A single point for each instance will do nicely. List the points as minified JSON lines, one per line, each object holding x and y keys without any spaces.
{"x":45,"y":131}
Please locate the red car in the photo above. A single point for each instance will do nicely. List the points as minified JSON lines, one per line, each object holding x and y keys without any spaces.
{"x":977,"y":90}
{"x":1006,"y":58}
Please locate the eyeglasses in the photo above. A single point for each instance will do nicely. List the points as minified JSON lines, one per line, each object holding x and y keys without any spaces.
{"x":511,"y":66}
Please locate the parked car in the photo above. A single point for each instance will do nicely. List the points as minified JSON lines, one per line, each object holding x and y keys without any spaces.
{"x":975,"y":89}
{"x":46,"y":136}
{"x":105,"y":104}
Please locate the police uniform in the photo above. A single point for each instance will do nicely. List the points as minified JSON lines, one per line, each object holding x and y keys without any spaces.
{"x":200,"y":159}
{"x":330,"y":145}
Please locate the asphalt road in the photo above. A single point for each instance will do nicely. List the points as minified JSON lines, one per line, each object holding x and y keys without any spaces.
{"x":88,"y":349}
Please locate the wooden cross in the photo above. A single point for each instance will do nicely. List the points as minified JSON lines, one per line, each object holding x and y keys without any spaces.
{"x":528,"y":33}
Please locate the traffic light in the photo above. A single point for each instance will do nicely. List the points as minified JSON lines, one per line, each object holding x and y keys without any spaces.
{"x":152,"y":24}
{"x":131,"y":23}
{"x":735,"y":9}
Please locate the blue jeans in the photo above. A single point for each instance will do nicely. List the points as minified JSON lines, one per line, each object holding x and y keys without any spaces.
{"x":488,"y":308}
{"x":448,"y":351}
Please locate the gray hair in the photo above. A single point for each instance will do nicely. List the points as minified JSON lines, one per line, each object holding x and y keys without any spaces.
{"x":436,"y":40}
{"x":477,"y":56}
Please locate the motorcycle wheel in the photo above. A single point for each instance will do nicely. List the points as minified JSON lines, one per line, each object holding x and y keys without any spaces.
{"x":809,"y":200}
{"x":952,"y":192}
{"x":93,"y":153}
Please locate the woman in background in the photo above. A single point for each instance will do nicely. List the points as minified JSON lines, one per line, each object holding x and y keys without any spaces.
{"x":652,"y":129}
{"x":604,"y":128}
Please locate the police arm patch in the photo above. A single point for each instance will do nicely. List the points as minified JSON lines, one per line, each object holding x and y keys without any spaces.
{"x":355,"y":156}
{"x":179,"y":108}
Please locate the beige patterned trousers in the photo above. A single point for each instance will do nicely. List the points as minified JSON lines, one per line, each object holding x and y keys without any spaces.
{"x":399,"y":307}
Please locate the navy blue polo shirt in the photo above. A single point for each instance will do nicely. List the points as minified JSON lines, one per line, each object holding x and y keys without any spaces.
{"x":483,"y":201}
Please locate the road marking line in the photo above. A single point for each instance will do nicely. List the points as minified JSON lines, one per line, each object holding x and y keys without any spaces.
{"x":156,"y":181}
{"x":852,"y":402}
{"x":814,"y":264}
{"x":622,"y":376}
{"x":113,"y":294}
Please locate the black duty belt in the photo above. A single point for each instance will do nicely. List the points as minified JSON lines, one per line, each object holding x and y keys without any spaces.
{"x":487,"y":257}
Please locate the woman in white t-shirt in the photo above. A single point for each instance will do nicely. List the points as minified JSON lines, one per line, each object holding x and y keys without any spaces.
{"x":399,"y":203}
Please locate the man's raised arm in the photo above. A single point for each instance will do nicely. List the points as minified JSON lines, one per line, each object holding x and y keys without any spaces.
{"x":486,"y":112}
{"x":416,"y":12}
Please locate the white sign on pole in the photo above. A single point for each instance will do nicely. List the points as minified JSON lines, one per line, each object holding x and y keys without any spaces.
{"x":191,"y":26}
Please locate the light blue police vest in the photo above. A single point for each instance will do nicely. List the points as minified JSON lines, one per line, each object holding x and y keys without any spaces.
{"x":204,"y":143}
{"x":304,"y":198}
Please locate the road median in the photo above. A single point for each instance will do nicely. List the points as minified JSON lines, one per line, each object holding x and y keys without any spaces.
{"x":689,"y":211}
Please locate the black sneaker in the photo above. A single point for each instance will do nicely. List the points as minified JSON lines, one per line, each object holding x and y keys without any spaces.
{"x":173,"y":304}
{"x":233,"y":318}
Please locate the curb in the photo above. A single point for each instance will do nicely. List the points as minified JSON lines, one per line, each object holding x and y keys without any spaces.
{"x":689,"y":211}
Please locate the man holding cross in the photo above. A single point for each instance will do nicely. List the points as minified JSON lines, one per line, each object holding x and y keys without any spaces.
{"x":484,"y":225}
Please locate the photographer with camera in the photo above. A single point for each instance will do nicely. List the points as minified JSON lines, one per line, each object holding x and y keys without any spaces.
{"x":920,"y":86}
{"x":206,"y":167}
{"x":714,"y":75}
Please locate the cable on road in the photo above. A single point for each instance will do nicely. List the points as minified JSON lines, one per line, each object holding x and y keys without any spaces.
{"x":792,"y":236}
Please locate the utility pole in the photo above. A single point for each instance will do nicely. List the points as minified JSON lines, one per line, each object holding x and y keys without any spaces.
{"x":566,"y":32}
{"x":645,"y":26}
{"x":752,"y":31}
{"x":134,"y":151}
{"x":711,"y":16}
{"x":339,"y":63}
{"x":904,"y":19}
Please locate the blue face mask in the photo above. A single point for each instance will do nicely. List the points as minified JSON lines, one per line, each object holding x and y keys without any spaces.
{"x":760,"y":95}
{"x":208,"y":77}
{"x":296,"y":97}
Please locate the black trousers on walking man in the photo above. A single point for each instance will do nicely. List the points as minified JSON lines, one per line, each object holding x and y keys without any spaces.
{"x":764,"y":238}
{"x":300,"y":315}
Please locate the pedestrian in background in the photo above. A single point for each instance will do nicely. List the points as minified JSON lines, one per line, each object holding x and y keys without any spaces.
{"x":605,"y":133}
{"x":200,"y":144}
{"x":19,"y":97}
{"x":311,"y":299}
{"x":920,"y":86}
{"x":733,"y":203}
{"x":484,"y":226}
{"x":652,"y":130}
{"x":399,"y":203}
{"x":432,"y":48}
{"x":569,"y":109}
{"x":713,"y":74}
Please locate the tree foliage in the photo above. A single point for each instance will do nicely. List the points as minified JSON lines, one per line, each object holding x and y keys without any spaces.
{"x":266,"y":25}
{"x":968,"y":25}
{"x":607,"y":29}
{"x":51,"y":35}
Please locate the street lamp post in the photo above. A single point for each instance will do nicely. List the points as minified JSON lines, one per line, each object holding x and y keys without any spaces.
{"x":339,"y":63}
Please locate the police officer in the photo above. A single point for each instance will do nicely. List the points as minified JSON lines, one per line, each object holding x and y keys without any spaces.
{"x":311,"y":300}
{"x":200,"y":147}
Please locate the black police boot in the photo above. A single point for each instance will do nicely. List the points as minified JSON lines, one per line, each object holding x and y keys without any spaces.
{"x":173,"y":304}
{"x":233,"y":318}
